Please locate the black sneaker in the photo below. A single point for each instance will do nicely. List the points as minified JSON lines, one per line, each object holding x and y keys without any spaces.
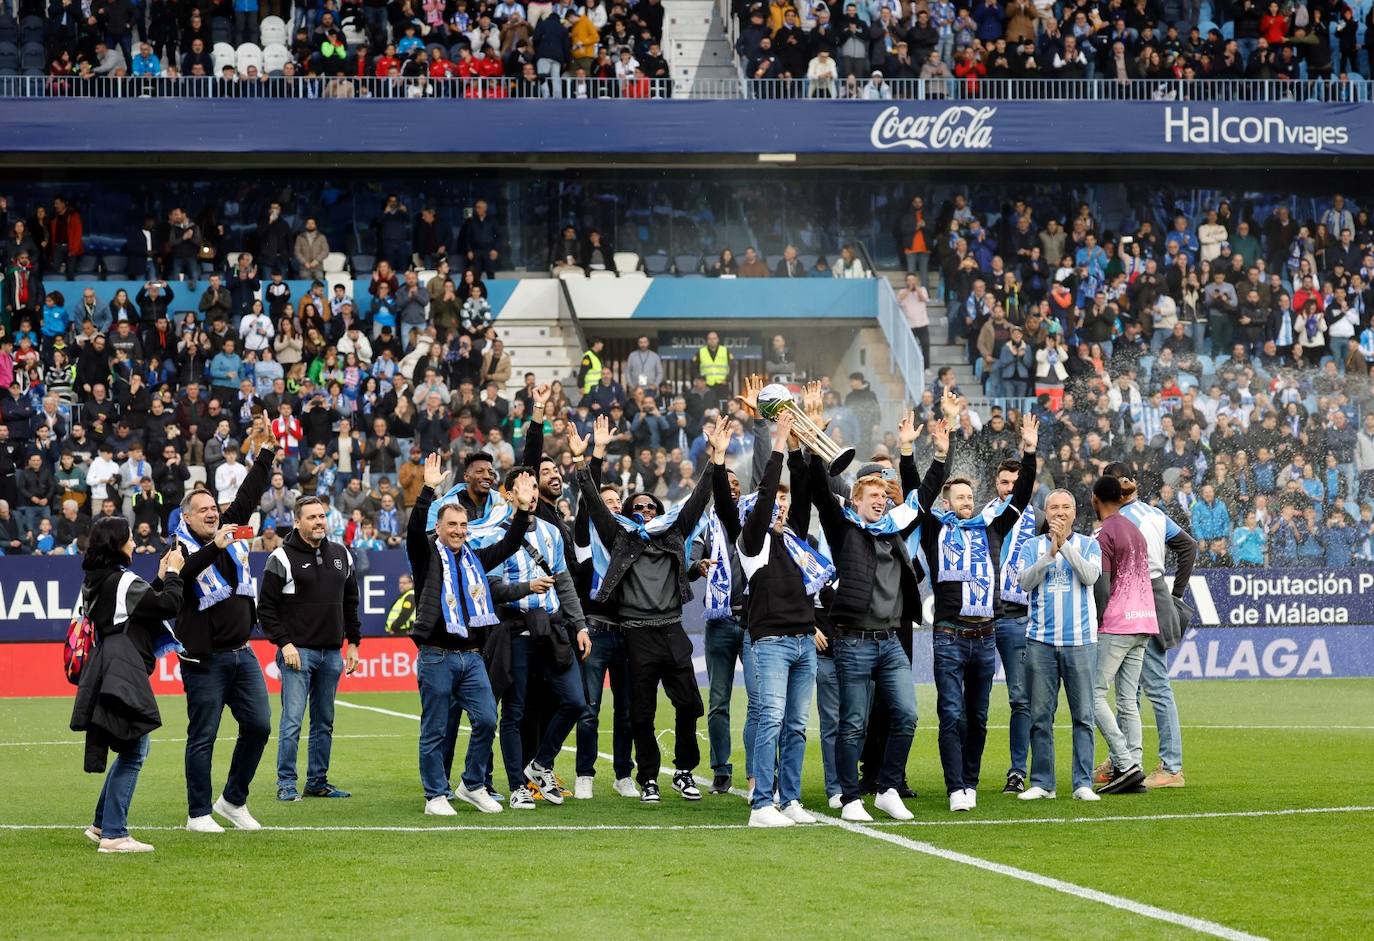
{"x":1016,"y":783}
{"x":906,"y":791}
{"x":868,"y":786}
{"x":1130,"y":781}
{"x":648,"y":793}
{"x":721,"y":784}
{"x":685,"y":783}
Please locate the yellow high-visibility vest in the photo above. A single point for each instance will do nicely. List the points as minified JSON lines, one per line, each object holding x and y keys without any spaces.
{"x":717,"y":370}
{"x":593,"y":375}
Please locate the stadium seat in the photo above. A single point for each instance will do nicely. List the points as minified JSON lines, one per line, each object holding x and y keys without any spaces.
{"x":115,"y":264}
{"x":657,"y":263}
{"x":86,"y":276}
{"x":197,"y":474}
{"x":426,"y":275}
{"x":9,"y":29}
{"x":87,"y":264}
{"x":332,"y":278}
{"x":632,"y":274}
{"x":601,"y":274}
{"x":335,"y":263}
{"x":687,"y":264}
{"x":808,"y":261}
{"x":772,"y":261}
{"x":272,"y":31}
{"x":32,"y":55}
{"x":363,"y":265}
{"x":9,"y":72}
{"x":221,"y":31}
{"x":569,"y":274}
{"x":274,"y":57}
{"x":437,"y":47}
{"x":232,"y":259}
{"x":248,"y":54}
{"x":354,"y":37}
{"x":31,"y":30}
{"x":223,"y":54}
{"x":626,"y":261}
{"x":9,"y":57}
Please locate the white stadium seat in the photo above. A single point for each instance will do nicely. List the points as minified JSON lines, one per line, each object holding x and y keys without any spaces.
{"x":335,"y":263}
{"x":272,"y":31}
{"x":626,"y":261}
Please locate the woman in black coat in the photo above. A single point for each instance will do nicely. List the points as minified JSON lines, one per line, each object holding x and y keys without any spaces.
{"x":115,"y":705}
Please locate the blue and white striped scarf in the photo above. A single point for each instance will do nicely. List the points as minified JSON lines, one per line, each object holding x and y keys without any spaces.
{"x":482,"y":530}
{"x":210,"y":585}
{"x":1010,"y":561}
{"x":720,"y":579}
{"x":466,"y":596}
{"x":964,"y":557}
{"x":816,"y":569}
{"x":600,"y":555}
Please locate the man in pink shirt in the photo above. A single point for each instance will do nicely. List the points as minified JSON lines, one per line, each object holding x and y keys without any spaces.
{"x":1127,"y":624}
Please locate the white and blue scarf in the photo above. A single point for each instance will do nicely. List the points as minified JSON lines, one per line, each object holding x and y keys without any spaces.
{"x":466,"y":597}
{"x":210,"y":585}
{"x":964,"y":557}
{"x":720,"y":579}
{"x":816,"y":569}
{"x":1009,"y":561}
{"x":482,"y":530}
{"x":600,"y":555}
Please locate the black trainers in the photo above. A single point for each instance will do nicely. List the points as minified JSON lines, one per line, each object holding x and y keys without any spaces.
{"x":1130,"y":781}
{"x":648,"y":794}
{"x":721,"y":784}
{"x":1016,"y":783}
{"x":868,"y":786}
{"x":685,"y":783}
{"x":906,"y":791}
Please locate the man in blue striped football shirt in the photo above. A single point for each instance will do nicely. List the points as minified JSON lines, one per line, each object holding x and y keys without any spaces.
{"x":1059,"y":570}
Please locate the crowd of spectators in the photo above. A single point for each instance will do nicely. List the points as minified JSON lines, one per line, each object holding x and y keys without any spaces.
{"x":860,"y":48}
{"x":1229,"y":359}
{"x":343,"y":48}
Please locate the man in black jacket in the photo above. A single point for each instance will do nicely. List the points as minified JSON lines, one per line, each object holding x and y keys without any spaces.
{"x":480,"y":240}
{"x":218,"y":668}
{"x":308,"y":606}
{"x":877,"y":596}
{"x":453,"y":609}
{"x":647,"y":577}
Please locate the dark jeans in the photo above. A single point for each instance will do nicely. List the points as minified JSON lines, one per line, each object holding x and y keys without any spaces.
{"x":726,"y":642}
{"x":314,"y":683}
{"x":608,"y":656}
{"x":234,"y":679}
{"x":663,"y":655}
{"x":877,"y":668}
{"x":964,"y":668}
{"x":530,"y":666}
{"x":922,"y":335}
{"x":1011,"y":647}
{"x":482,"y":262}
{"x":112,"y":806}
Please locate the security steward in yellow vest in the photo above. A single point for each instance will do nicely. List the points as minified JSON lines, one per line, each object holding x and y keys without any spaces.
{"x":714,"y":364}
{"x":589,"y":373}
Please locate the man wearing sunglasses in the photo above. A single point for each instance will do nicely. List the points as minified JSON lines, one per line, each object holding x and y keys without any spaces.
{"x":647,"y":578}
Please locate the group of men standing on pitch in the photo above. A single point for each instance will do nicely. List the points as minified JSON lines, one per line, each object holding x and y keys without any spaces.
{"x":519,"y":620}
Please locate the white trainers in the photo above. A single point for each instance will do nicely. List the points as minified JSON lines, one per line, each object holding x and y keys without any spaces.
{"x":521,"y":799}
{"x":836,"y":801}
{"x":1036,"y":793}
{"x":625,"y":787}
{"x":958,"y":802}
{"x":854,"y":812}
{"x":971,"y":796}
{"x":125,"y":844}
{"x":890,"y":803}
{"x":478,"y":798}
{"x":796,"y":813}
{"x":93,"y":835}
{"x":204,"y":824}
{"x":582,"y":787}
{"x":770,"y":816}
{"x":439,"y":807}
{"x":237,"y":815}
{"x":1086,"y":793}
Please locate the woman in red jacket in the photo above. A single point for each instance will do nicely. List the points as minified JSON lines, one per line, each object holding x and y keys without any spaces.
{"x":1274,"y":26}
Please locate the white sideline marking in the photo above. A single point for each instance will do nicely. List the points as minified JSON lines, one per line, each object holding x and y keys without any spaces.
{"x":459,"y":828}
{"x":377,"y":709}
{"x":1201,"y":815}
{"x":1048,"y":882}
{"x":155,"y":741}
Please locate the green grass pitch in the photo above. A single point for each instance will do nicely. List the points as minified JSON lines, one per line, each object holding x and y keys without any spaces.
{"x":1271,"y":838}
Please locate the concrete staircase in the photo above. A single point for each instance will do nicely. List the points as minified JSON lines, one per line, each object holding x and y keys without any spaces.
{"x":942,"y":352}
{"x":696,"y":41}
{"x":538,"y":331}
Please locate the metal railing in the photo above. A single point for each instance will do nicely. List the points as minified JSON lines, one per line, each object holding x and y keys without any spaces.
{"x":907,"y":360}
{"x":851,"y":89}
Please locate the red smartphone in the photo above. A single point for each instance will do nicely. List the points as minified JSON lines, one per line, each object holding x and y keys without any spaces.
{"x":244,"y":532}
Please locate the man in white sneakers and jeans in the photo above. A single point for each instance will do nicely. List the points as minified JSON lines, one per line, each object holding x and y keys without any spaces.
{"x":1058,"y":571}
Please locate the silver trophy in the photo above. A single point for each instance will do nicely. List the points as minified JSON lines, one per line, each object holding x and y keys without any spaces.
{"x":773,"y":399}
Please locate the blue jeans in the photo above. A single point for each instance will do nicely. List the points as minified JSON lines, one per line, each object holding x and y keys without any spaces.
{"x":232,"y":678}
{"x":316,"y":682}
{"x":864,"y":668}
{"x":112,"y":806}
{"x":190,"y":267}
{"x":528,"y":664}
{"x":828,"y":708}
{"x":964,"y":668}
{"x":727,"y":642}
{"x":452,"y":682}
{"x":1200,"y":338}
{"x":1154,"y":683}
{"x":608,"y":655}
{"x":1047,"y":666}
{"x":1119,"y":660}
{"x":1011,"y":647}
{"x":784,"y":673}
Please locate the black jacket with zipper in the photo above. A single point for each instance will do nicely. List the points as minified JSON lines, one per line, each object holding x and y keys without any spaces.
{"x":308,"y":595}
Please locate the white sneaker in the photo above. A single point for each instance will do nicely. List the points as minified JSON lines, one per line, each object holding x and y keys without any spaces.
{"x":890,"y":803}
{"x":521,"y":799}
{"x":93,"y":835}
{"x":125,"y":844}
{"x":204,"y":824}
{"x":1086,"y":794}
{"x":770,"y":816}
{"x":854,"y":812}
{"x":796,"y":813}
{"x":958,"y":802}
{"x":836,"y":801}
{"x":582,"y":787}
{"x":238,"y":816}
{"x":478,"y":798}
{"x":439,"y":807}
{"x":1037,"y":793}
{"x":971,"y":796}
{"x":625,"y":787}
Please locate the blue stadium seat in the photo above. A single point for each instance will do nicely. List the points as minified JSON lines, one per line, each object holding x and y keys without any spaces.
{"x":363,"y":265}
{"x":657,"y":263}
{"x":87,"y":264}
{"x":32,"y":55}
{"x":31,"y":30}
{"x":687,"y":264}
{"x":115,"y":264}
